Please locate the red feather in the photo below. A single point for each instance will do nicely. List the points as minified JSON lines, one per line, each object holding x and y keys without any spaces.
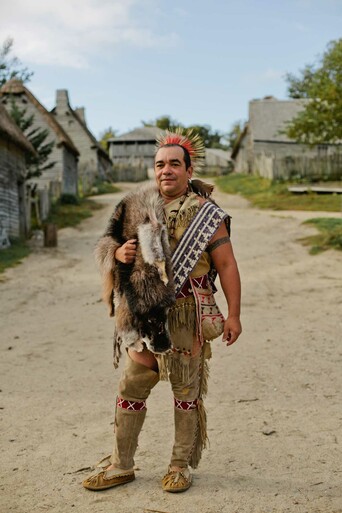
{"x":181,"y":140}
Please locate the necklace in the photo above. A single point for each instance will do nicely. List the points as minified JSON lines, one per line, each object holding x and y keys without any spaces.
{"x":171,"y":225}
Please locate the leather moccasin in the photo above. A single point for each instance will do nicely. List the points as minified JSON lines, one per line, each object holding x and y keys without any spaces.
{"x":104,"y":479}
{"x":176,"y":481}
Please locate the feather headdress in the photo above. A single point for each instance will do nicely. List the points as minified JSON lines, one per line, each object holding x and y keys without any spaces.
{"x":187,"y":139}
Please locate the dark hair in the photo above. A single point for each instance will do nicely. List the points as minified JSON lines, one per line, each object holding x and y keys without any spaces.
{"x":187,"y":158}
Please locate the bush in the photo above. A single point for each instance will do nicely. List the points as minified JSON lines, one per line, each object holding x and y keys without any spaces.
{"x":69,"y":199}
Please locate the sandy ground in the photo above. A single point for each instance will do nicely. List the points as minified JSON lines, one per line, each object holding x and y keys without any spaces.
{"x":274,"y":402}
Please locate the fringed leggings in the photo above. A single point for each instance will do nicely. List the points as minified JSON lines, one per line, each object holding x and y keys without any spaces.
{"x":135,"y":386}
{"x":189,"y":413}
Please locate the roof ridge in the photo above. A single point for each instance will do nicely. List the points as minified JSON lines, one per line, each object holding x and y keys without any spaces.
{"x":58,"y":129}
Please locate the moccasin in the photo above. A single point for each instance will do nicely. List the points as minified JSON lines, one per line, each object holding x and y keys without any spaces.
{"x":103,"y":478}
{"x":176,"y":481}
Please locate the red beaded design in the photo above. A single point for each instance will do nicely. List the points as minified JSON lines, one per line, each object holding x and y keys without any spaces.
{"x":131,"y":405}
{"x":185,"y":405}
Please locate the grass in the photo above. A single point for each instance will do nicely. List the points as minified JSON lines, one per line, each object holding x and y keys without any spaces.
{"x":63,"y":215}
{"x":67,"y":212}
{"x":104,"y":188}
{"x":71,"y":214}
{"x":264,"y":193}
{"x":329,"y":236}
{"x":13,"y":255}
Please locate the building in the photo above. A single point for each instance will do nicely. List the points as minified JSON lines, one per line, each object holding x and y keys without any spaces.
{"x":217,"y":162}
{"x":14,"y":203}
{"x":132,"y":153}
{"x":64,"y":154}
{"x":94,"y":163}
{"x":263,"y":148}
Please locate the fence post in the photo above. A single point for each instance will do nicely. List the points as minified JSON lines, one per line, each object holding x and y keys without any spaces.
{"x":50,"y":235}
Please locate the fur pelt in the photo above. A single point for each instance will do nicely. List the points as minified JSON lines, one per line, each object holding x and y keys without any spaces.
{"x":139,"y":294}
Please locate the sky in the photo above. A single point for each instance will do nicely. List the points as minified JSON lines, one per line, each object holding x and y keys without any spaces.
{"x":199,"y":61}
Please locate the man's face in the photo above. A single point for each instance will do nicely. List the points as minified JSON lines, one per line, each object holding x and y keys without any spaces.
{"x":170,"y":172}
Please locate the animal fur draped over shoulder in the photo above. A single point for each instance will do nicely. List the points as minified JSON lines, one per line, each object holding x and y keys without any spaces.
{"x":139,"y":294}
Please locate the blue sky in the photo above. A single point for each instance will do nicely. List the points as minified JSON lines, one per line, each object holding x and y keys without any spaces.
{"x":198,"y":61}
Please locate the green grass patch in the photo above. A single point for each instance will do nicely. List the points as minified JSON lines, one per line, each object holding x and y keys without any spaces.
{"x":13,"y":255}
{"x":69,"y":214}
{"x":104,"y":188}
{"x":329,"y":236}
{"x":264,"y":193}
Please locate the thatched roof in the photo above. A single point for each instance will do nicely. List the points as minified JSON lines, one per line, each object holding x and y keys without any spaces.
{"x":10,"y":131}
{"x":16,"y":87}
{"x":78,"y":115}
{"x":93,"y":139}
{"x":145,"y":133}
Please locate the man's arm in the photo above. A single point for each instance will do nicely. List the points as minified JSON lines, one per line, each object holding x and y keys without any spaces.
{"x":226,"y":266}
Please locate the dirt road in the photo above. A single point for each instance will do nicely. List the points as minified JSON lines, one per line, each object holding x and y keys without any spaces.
{"x":274,"y":402}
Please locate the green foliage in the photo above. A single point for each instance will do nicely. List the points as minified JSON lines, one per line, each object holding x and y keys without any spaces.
{"x":10,"y":66}
{"x":66,"y":215}
{"x":330,"y":235}
{"x":69,"y":199}
{"x":321,"y":120}
{"x":14,"y":254}
{"x":234,"y":133}
{"x":211,"y":138}
{"x":103,"y":188}
{"x":164,"y":123}
{"x":264,"y":193}
{"x":106,"y":134}
{"x":36,"y":164}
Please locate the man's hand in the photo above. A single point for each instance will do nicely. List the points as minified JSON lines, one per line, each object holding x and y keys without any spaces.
{"x":126,"y":253}
{"x":232,"y":330}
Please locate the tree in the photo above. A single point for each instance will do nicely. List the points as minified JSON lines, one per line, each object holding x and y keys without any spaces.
{"x":164,"y":123}
{"x":106,"y":134}
{"x":321,"y":119}
{"x":212,"y":139}
{"x":10,"y":66}
{"x":234,"y":133}
{"x":36,"y":164}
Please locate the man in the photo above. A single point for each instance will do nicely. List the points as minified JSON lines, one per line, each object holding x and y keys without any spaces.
{"x":192,"y":320}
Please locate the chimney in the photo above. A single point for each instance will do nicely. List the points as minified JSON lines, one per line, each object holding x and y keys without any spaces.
{"x":62,"y":100}
{"x":80,"y":111}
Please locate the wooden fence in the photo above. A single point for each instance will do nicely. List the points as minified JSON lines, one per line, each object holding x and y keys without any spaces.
{"x":318,"y":168}
{"x":126,"y":173}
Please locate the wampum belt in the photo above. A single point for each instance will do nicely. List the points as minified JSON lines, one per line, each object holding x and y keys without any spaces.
{"x":194,"y":241}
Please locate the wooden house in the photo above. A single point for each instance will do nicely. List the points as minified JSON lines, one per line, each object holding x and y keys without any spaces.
{"x":94,"y":163}
{"x":217,"y":162}
{"x":64,"y":154}
{"x":264,"y":149}
{"x":14,"y":204}
{"x":132,"y":153}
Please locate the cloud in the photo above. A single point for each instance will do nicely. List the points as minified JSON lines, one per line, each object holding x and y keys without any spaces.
{"x":68,"y":32}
